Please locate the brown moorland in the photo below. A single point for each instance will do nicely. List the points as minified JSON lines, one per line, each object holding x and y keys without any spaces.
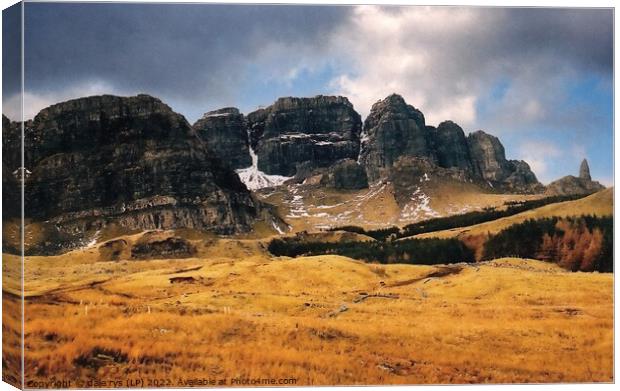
{"x":320,"y":320}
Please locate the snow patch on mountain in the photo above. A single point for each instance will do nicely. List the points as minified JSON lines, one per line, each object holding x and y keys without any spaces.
{"x":277,"y":227}
{"x":298,"y":207}
{"x":363,"y":141}
{"x":212,"y":115}
{"x":93,"y":242}
{"x":255,"y":179}
{"x":419,"y":208}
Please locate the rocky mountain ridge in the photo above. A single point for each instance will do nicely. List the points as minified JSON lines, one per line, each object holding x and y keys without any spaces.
{"x":133,"y":163}
{"x":393,"y":129}
{"x":301,"y":137}
{"x":127,"y":161}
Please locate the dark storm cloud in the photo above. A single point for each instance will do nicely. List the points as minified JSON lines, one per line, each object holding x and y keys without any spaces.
{"x":445,"y":57}
{"x":201,"y":56}
{"x":584,"y":36}
{"x":524,"y":74}
{"x":174,"y":49}
{"x":11,"y":50}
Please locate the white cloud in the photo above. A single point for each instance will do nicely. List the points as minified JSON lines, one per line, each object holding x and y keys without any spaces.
{"x":446,"y":60}
{"x":533,"y":110}
{"x":399,"y":51}
{"x":540,"y":155}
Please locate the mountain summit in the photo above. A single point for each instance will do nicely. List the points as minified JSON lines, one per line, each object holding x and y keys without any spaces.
{"x":135,"y":164}
{"x":127,"y":161}
{"x":395,"y":129}
{"x":298,"y":138}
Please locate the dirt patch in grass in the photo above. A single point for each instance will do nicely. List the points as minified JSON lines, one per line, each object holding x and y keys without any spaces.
{"x":330,"y":334}
{"x":437,"y":273}
{"x":99,"y":357}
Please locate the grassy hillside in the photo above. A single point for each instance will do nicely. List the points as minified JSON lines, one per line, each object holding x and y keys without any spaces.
{"x":321,"y":320}
{"x":224,"y":308}
{"x":312,"y":208}
{"x":599,"y":204}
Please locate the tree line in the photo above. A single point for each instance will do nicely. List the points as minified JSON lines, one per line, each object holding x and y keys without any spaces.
{"x":411,"y":251}
{"x":582,"y":243}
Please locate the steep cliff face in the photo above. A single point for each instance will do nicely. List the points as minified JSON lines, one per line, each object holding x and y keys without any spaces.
{"x":488,"y":157}
{"x":226,"y":135}
{"x":256,"y":122}
{"x":317,"y":131}
{"x":569,"y":185}
{"x":451,"y":147}
{"x":490,"y":164}
{"x":302,"y":137}
{"x":131,"y":161}
{"x":11,"y":158}
{"x":393,"y":129}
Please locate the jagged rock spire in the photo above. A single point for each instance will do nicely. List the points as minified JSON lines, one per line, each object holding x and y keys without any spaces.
{"x":571,"y":185}
{"x":584,"y":171}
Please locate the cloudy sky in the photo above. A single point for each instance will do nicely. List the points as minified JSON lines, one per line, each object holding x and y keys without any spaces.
{"x":540,"y":79}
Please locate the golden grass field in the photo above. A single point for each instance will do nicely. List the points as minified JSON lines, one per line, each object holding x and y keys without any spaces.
{"x":320,"y":320}
{"x":233,"y":311}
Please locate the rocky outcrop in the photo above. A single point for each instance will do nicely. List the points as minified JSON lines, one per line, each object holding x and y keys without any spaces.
{"x":226,"y":135}
{"x":521,"y":179}
{"x":161,"y":245}
{"x":11,"y":161}
{"x":345,"y":174}
{"x":490,"y":164}
{"x":317,"y":131}
{"x":488,"y":157}
{"x":451,"y":148}
{"x":584,"y":171}
{"x":131,"y":161}
{"x":393,"y":129}
{"x":571,"y":185}
{"x":114,"y":250}
{"x":151,"y":245}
